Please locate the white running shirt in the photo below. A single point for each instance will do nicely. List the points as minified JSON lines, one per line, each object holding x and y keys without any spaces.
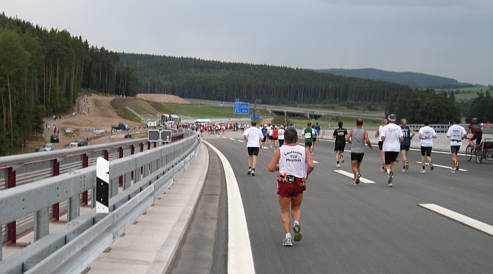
{"x":427,"y":134}
{"x":380,"y":131}
{"x":253,"y":134}
{"x":456,"y":132}
{"x":392,"y":133}
{"x":293,"y":161}
{"x":281,"y":134}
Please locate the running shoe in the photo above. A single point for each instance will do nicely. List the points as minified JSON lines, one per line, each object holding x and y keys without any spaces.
{"x":338,"y":165}
{"x":297,"y":233}
{"x":453,"y":170}
{"x":253,"y":172}
{"x":423,"y":170}
{"x":389,"y":179}
{"x":431,"y":166}
{"x":288,"y":242}
{"x":249,"y":171}
{"x":403,"y":169}
{"x":382,"y":169}
{"x":357,"y":178}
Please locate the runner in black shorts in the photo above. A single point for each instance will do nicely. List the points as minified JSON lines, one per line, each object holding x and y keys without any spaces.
{"x":340,"y":136}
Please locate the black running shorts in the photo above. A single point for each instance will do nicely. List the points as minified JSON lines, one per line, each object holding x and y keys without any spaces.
{"x":390,"y":157}
{"x":308,"y":144}
{"x":357,"y":157}
{"x":426,"y":151}
{"x":253,"y":151}
{"x":281,"y":142}
{"x":339,"y":146}
{"x":380,"y":145}
{"x":405,"y":147}
{"x":454,"y":149}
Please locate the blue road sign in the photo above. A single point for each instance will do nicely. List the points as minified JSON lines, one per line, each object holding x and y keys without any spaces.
{"x":257,"y":116}
{"x":241,"y":108}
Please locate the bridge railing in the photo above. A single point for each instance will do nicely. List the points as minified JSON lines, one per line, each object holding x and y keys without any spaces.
{"x":84,"y":236}
{"x":28,"y":168}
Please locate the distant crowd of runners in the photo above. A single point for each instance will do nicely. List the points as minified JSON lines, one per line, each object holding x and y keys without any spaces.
{"x":293,"y":162}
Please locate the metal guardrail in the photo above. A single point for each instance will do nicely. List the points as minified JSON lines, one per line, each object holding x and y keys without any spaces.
{"x":84,"y":237}
{"x":27,"y":168}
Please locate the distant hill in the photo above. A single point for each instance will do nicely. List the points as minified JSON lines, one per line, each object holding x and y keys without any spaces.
{"x":196,"y":78}
{"x":410,"y":79}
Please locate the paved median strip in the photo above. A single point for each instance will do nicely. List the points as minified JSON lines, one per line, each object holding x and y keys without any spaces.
{"x":447,"y":167}
{"x":478,"y":225}
{"x":350,"y":175}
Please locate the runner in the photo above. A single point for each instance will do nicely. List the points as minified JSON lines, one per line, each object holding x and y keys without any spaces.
{"x":392,"y":137}
{"x":426,"y":135}
{"x":340,"y":136}
{"x":270,"y":133}
{"x":314,"y":138}
{"x":408,"y":134}
{"x":294,"y":164}
{"x":281,"y":136}
{"x":253,"y":136}
{"x":456,"y":133}
{"x":275,"y":135}
{"x":264,"y":133}
{"x":477,"y":133}
{"x":317,"y":127}
{"x":308,"y":133}
{"x":378,"y":134}
{"x":358,"y":137}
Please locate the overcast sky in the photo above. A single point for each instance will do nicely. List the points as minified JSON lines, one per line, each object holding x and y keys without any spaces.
{"x":452,"y":38}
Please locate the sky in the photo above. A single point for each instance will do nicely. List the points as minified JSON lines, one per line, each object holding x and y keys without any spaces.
{"x":452,"y":38}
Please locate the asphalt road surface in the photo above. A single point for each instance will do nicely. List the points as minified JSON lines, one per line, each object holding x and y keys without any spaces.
{"x":369,"y":228}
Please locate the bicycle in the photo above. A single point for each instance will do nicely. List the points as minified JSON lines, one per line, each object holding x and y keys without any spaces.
{"x":482,"y":151}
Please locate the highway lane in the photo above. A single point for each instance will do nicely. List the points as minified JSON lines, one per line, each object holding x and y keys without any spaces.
{"x":369,"y":228}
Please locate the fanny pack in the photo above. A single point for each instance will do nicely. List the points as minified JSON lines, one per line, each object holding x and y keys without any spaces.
{"x":290,"y":179}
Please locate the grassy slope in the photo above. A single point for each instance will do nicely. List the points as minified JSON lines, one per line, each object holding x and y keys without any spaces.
{"x":119,"y":105}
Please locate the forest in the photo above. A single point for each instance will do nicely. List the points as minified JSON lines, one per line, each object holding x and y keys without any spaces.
{"x":196,"y":78}
{"x":43,"y":71}
{"x":481,"y":107}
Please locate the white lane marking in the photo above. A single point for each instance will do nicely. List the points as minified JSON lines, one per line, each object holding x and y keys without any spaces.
{"x":240,"y":259}
{"x":315,"y":162}
{"x":438,"y":152}
{"x":447,"y":167}
{"x":351,"y":175}
{"x":483,"y":227}
{"x":241,"y":141}
{"x":231,"y":139}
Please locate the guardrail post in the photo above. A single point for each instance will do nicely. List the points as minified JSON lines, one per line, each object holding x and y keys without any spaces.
{"x":85,"y":194}
{"x":148,"y":145}
{"x":56,"y":207}
{"x":73,"y":207}
{"x":141,"y":168}
{"x":41,"y":223}
{"x":120,"y":179}
{"x":132,"y":151}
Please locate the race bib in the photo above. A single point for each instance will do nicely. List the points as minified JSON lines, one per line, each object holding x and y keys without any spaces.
{"x":308,"y":135}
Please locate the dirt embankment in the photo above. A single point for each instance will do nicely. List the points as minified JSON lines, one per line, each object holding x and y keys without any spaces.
{"x":162,"y":98}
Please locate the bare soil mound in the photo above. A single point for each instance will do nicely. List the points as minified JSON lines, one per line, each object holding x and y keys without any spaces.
{"x":162,"y":98}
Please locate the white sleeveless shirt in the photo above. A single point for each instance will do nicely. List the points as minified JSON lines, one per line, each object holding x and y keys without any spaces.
{"x":292,"y":161}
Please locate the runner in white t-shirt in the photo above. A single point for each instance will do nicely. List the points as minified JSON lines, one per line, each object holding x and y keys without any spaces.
{"x":281,"y":136}
{"x":456,"y":133}
{"x":426,"y":135}
{"x":253,"y":136}
{"x":392,"y":137}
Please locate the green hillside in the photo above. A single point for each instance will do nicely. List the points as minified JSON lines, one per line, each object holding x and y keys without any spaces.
{"x":410,"y":79}
{"x":195,"y":78}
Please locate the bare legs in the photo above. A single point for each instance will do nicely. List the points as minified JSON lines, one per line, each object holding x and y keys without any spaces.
{"x":290,"y":205}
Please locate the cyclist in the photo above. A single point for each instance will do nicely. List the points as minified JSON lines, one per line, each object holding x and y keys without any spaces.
{"x":477,"y":133}
{"x":340,"y":136}
{"x":456,"y":133}
{"x":408,"y":134}
{"x":294,"y":164}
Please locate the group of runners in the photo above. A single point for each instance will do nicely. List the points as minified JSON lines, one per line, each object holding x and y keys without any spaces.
{"x":293,"y":163}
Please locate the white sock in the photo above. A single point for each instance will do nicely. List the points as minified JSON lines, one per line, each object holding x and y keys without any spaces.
{"x":296,"y":223}
{"x":288,"y":235}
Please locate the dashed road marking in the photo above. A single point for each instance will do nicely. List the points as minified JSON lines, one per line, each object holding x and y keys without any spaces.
{"x":350,"y":175}
{"x":483,"y":227}
{"x":447,"y":167}
{"x":315,"y":162}
{"x":241,"y":141}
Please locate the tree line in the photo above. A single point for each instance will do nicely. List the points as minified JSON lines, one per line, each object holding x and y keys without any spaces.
{"x":481,"y":107}
{"x":43,"y":71}
{"x":418,"y":106}
{"x":196,"y":78}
